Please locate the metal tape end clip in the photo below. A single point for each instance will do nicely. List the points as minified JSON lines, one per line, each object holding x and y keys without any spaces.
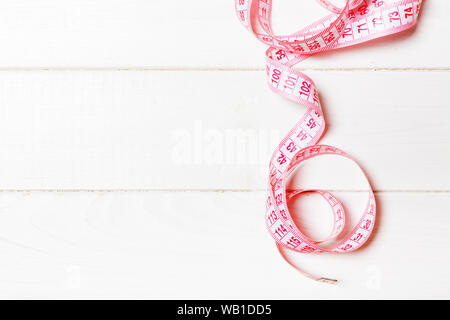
{"x":327,"y":280}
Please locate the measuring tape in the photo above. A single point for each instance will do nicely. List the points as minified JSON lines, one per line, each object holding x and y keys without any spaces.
{"x":358,"y":21}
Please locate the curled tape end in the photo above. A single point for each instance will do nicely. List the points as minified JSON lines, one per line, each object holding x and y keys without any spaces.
{"x":326,"y":280}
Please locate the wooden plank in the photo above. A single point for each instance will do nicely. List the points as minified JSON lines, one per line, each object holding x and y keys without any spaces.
{"x":206,"y":245}
{"x":163,"y":130}
{"x":193,"y":34}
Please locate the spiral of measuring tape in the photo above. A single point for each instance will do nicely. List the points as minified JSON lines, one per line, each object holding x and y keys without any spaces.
{"x":358,"y":21}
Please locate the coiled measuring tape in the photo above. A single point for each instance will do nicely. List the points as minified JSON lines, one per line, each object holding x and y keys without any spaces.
{"x":358,"y":21}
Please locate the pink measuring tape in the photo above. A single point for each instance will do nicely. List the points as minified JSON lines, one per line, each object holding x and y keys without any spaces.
{"x":358,"y":21}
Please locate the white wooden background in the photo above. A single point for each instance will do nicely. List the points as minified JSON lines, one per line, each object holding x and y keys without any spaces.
{"x":123,"y":120}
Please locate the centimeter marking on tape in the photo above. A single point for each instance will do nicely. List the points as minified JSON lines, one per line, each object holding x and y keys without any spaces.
{"x":358,"y":21}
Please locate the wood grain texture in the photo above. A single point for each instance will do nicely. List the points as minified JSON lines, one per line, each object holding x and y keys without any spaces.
{"x":117,"y":245}
{"x":192,"y":126}
{"x":215,"y":129}
{"x":194,"y":34}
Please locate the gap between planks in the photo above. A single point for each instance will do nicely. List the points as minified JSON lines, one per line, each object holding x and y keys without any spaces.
{"x":75,"y":69}
{"x":197,"y":190}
